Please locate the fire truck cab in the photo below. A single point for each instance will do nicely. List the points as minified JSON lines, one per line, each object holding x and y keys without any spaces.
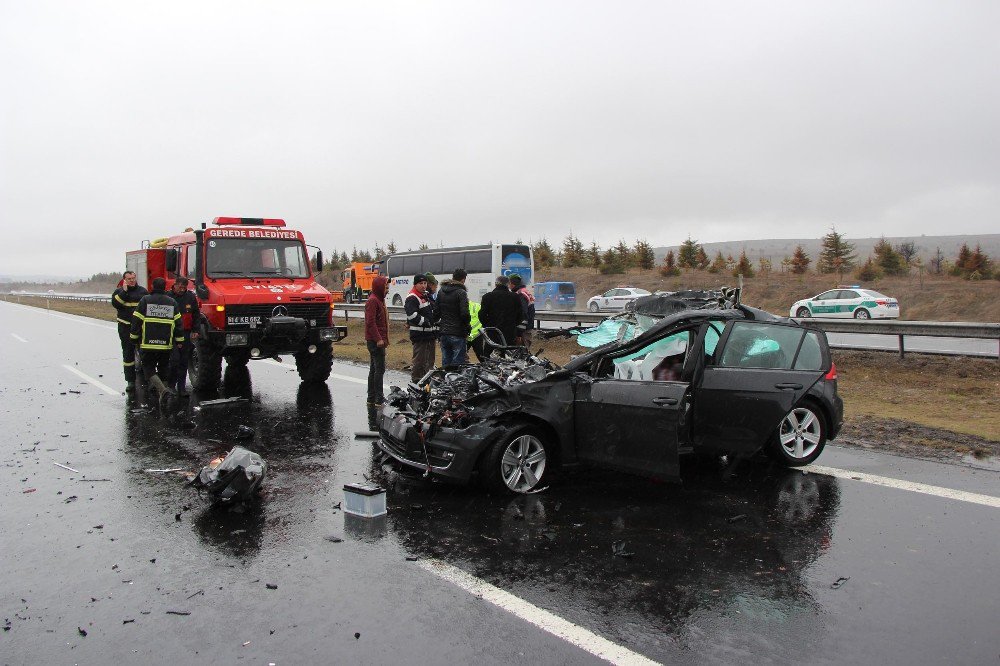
{"x":256,"y":290}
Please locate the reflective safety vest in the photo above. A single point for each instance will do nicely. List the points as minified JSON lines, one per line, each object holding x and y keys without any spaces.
{"x":477,"y":326}
{"x":156,"y":323}
{"x":125,"y":299}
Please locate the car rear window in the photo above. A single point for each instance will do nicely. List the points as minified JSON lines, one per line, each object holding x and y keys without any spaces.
{"x":754,"y":345}
{"x":567,"y":289}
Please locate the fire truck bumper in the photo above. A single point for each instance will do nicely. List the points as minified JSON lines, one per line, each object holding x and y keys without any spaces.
{"x":281,"y":335}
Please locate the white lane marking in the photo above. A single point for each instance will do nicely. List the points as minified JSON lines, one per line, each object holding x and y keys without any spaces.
{"x":571,"y":633}
{"x":343,"y":378}
{"x":937,"y":491}
{"x":78,"y":319}
{"x":18,"y":337}
{"x":101,"y":385}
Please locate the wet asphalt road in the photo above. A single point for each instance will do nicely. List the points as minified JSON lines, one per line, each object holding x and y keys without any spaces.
{"x":720,"y":568}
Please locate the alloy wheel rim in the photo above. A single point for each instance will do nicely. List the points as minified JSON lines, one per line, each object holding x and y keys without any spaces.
{"x":523,"y":463}
{"x":800,"y":433}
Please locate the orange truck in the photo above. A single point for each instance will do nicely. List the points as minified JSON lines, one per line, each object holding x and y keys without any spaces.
{"x":357,"y":279}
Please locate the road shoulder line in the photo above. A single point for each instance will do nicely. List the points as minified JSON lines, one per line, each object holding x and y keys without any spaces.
{"x":90,"y":380}
{"x":899,"y":484}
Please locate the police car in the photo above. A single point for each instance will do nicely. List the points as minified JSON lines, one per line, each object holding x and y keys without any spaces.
{"x":846,"y":302}
{"x":615,"y":299}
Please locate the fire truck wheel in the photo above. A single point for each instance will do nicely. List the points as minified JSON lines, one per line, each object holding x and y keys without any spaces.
{"x":205,"y":367}
{"x":315,"y":368}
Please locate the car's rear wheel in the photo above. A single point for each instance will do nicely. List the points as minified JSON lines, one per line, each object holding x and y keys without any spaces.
{"x":803,"y":313}
{"x":593,"y":307}
{"x":861,"y":313}
{"x":517,"y":462}
{"x":800,"y":437}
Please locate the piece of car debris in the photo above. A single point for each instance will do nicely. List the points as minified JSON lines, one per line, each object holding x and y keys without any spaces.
{"x":737,"y":518}
{"x":618,"y":550}
{"x":177,"y":612}
{"x":168,"y":470}
{"x":233,"y":479}
{"x":81,"y":631}
{"x":366,"y":434}
{"x":127,"y":621}
{"x":65,"y":467}
{"x":839,"y":582}
{"x":271,"y":586}
{"x":334,"y":539}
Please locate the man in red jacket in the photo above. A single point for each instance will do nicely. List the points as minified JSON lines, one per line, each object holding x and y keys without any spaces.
{"x":377,"y":339}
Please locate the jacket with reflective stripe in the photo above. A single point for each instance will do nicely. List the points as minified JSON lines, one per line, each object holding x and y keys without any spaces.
{"x":156,"y":322}
{"x":125,"y":301}
{"x":420,"y":317}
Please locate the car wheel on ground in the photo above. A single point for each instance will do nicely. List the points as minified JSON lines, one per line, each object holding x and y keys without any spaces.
{"x":800,"y":437}
{"x":803,"y":313}
{"x":593,"y":307}
{"x":517,"y":462}
{"x":861,"y":313}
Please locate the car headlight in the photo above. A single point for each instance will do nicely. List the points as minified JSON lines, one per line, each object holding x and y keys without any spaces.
{"x":237,"y":339}
{"x":327,"y":334}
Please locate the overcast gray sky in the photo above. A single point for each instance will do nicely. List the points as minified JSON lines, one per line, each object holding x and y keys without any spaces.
{"x":469,"y":121}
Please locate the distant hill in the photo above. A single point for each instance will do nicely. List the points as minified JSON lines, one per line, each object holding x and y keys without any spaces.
{"x":776,"y":249}
{"x":47,"y":279}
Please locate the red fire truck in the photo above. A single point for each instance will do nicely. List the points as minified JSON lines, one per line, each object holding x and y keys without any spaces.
{"x":258,"y":293}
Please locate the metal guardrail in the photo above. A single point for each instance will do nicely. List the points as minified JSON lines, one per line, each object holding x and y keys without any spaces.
{"x":901,"y":329}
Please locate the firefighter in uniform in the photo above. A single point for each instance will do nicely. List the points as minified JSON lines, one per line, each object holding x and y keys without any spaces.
{"x":156,"y":330}
{"x":125,"y":298}
{"x":187,"y":305}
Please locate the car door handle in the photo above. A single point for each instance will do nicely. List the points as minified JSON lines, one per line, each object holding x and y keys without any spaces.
{"x":664,"y":401}
{"x":788,"y":386}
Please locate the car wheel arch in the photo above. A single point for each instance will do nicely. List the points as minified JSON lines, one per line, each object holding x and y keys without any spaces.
{"x":505,"y":425}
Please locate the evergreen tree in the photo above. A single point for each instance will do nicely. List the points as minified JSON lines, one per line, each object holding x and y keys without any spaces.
{"x":743,"y":266}
{"x":701,"y":259}
{"x":836,"y":255}
{"x":718,"y":264}
{"x":643,"y":254}
{"x":908,"y":251}
{"x":764,"y":265}
{"x":800,"y":261}
{"x":687,"y":257}
{"x":593,"y":255}
{"x":624,"y":254}
{"x":354,"y":254}
{"x":669,"y":266}
{"x":544,"y":256}
{"x":964,"y":254}
{"x":377,"y":252}
{"x":572,"y":251}
{"x":423,"y":246}
{"x":869,"y":271}
{"x":890,"y":261}
{"x":390,"y":248}
{"x":979,"y":265}
{"x":611,"y":262}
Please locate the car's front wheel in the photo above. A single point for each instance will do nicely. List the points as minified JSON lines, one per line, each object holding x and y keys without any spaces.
{"x":517,"y":462}
{"x":803,"y":313}
{"x":593,"y":307}
{"x":861,"y":313}
{"x":800,"y":437}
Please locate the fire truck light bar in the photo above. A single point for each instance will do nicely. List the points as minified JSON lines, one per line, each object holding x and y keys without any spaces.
{"x":255,"y":221}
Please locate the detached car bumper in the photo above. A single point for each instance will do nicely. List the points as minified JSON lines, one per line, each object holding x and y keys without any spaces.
{"x":451,"y":453}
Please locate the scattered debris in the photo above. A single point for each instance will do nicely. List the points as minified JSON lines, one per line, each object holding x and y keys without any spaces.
{"x":366,"y":434}
{"x":364,"y":499}
{"x":244,"y":432}
{"x":29,"y":490}
{"x":412,"y":558}
{"x":127,"y":621}
{"x":81,"y":631}
{"x":737,"y":518}
{"x":334,"y":539}
{"x":177,"y":517}
{"x":99,"y":527}
{"x":271,"y":586}
{"x":69,"y":468}
{"x":618,"y":550}
{"x":839,"y":583}
{"x":74,"y":391}
{"x":196,"y":594}
{"x":246,"y":644}
{"x":235,"y":478}
{"x":168,"y":470}
{"x":357,"y":635}
{"x":176,"y":612}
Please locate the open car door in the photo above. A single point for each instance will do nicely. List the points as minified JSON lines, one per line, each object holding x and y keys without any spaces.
{"x":629,"y":415}
{"x":755,"y":377}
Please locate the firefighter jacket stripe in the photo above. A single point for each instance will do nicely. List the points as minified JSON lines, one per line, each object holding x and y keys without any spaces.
{"x":156,"y":323}
{"x":420,"y":316}
{"x":125,"y":301}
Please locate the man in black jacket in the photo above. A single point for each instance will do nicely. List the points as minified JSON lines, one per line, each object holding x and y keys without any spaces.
{"x":156,"y":331}
{"x":455,"y":323}
{"x":423,"y":329}
{"x":501,"y":309}
{"x":187,"y":305}
{"x":125,"y":298}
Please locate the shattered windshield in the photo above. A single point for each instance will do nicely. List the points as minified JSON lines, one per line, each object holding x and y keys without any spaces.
{"x":256,"y":257}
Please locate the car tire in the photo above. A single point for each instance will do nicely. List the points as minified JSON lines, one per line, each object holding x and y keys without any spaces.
{"x":803,"y":313}
{"x":397,"y":300}
{"x":315,"y":368}
{"x":205,"y":366}
{"x":861,"y":313}
{"x":593,"y":307}
{"x":801,"y":436}
{"x":518,"y":462}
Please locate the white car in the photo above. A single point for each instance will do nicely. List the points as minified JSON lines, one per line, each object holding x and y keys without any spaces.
{"x":615,"y":299}
{"x":847,"y":302}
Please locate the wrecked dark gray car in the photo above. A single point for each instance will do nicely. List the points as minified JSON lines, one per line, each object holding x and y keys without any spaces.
{"x":719,"y":380}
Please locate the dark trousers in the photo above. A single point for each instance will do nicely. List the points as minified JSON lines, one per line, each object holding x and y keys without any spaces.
{"x":452,"y":350}
{"x":479,"y":347}
{"x":180,"y":359}
{"x":128,"y":351}
{"x":156,"y":363}
{"x":424,"y":352}
{"x":376,"y":370}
